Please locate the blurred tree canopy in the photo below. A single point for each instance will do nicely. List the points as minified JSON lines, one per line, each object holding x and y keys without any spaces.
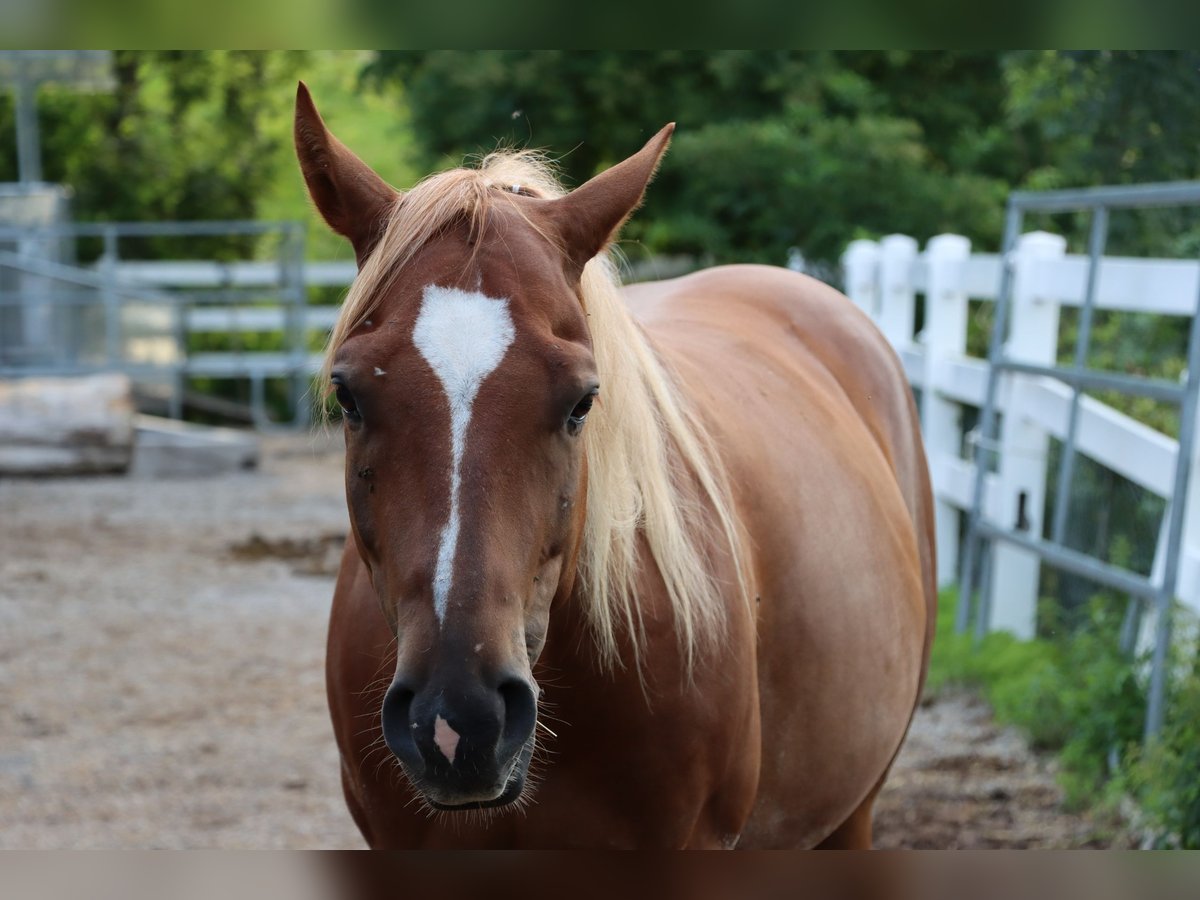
{"x":782,"y":148}
{"x":774,"y":149}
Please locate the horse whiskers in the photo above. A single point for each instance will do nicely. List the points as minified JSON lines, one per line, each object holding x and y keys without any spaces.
{"x":374,"y":747}
{"x":379,"y":686}
{"x":375,"y":726}
{"x":545,"y":727}
{"x":415,"y":797}
{"x":546,"y":715}
{"x":384,"y":760}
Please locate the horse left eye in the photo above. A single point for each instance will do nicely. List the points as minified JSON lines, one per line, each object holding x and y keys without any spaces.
{"x":579,"y":413}
{"x":346,"y":401}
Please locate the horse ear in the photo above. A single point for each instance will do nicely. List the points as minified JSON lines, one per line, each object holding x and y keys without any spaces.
{"x":347,"y":192}
{"x":591,"y":215}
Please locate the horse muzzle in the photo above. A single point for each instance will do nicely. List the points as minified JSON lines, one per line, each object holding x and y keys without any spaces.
{"x":463,"y":744}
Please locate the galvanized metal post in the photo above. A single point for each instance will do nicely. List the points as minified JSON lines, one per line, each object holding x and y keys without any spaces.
{"x":29,"y":151}
{"x":179,"y":376}
{"x":1066,"y":468}
{"x":258,"y":401}
{"x":297,"y":296}
{"x":1183,"y":465}
{"x":983,"y":608}
{"x":987,"y":420}
{"x":112,"y":300}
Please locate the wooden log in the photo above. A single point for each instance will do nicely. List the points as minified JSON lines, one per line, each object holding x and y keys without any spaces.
{"x":66,"y":426}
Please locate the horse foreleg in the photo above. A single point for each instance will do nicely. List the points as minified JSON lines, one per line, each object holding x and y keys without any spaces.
{"x":356,"y":810}
{"x":855,"y":832}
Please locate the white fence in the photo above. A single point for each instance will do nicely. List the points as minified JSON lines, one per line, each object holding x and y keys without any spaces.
{"x":884,"y":278}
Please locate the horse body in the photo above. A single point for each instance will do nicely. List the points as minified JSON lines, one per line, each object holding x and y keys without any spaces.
{"x":780,"y":731}
{"x":819,"y":432}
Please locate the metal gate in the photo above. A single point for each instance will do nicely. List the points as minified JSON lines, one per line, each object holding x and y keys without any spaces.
{"x":61,"y":319}
{"x":982,"y":531}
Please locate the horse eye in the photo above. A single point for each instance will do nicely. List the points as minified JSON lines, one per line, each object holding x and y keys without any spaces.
{"x":346,"y":401}
{"x":579,"y":413}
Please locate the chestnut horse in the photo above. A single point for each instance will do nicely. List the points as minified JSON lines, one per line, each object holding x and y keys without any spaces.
{"x":650,"y":567}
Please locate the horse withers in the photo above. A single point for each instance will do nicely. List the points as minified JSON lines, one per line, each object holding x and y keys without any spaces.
{"x":646,"y":567}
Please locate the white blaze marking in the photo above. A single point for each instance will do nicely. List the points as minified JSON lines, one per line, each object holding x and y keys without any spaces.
{"x":446,"y":738}
{"x":463,"y":335}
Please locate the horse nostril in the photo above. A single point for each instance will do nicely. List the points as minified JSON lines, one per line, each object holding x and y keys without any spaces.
{"x":397,"y":729}
{"x":520,"y":714}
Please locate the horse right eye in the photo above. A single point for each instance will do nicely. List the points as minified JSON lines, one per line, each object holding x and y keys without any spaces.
{"x":579,"y":413}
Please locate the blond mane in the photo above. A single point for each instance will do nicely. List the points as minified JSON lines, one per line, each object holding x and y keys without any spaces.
{"x":647,"y":452}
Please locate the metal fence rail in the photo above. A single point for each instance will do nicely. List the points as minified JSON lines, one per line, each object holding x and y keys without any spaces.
{"x":1159,"y":591}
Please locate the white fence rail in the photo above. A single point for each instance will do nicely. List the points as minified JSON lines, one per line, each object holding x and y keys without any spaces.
{"x":206,"y":273}
{"x":884,"y":278}
{"x":173,"y":274}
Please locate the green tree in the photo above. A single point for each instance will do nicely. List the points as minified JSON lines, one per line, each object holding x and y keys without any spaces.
{"x":180,"y":136}
{"x":1113,"y":117}
{"x":774,"y":148}
{"x":777,"y":148}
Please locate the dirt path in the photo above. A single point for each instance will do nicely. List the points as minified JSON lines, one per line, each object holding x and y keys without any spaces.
{"x":161,"y":645}
{"x":963,"y":782}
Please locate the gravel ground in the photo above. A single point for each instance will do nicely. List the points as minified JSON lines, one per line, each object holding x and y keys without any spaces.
{"x":161,"y":646}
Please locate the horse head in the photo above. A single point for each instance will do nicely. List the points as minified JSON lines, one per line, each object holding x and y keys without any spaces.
{"x":464,"y":368}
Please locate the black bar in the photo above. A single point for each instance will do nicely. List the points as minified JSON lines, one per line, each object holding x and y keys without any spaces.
{"x":1122,"y":196}
{"x":1075,"y":562}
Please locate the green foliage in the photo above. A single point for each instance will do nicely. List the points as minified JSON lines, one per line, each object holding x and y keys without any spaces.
{"x":179,"y":137}
{"x":774,"y":149}
{"x":812,"y":149}
{"x":203,"y":135}
{"x":875,"y":170}
{"x":1165,"y":777}
{"x":599,"y":105}
{"x":375,"y":124}
{"x":1113,"y":117}
{"x":1123,"y":115}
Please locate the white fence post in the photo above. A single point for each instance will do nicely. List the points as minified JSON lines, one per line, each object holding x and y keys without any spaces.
{"x":860,"y":263}
{"x":897,"y":295}
{"x":945,"y":337}
{"x":1033,"y":338}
